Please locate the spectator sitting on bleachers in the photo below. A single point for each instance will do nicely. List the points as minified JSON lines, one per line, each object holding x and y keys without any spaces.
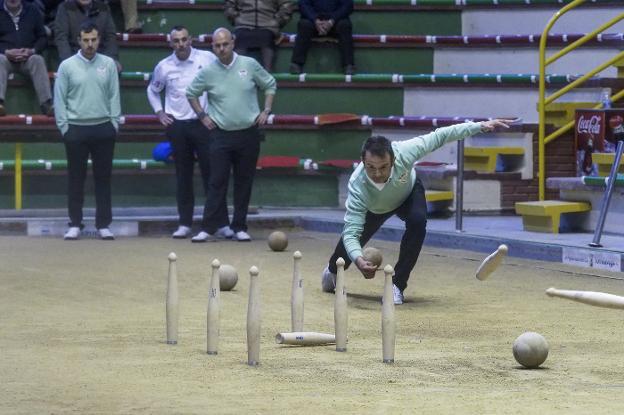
{"x":257,"y":25}
{"x":131,"y":16}
{"x":71,"y":14}
{"x":48,"y":9}
{"x":22,"y":39}
{"x":324,"y":18}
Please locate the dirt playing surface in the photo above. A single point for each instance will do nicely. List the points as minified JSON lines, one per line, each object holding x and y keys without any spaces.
{"x":83,"y":331}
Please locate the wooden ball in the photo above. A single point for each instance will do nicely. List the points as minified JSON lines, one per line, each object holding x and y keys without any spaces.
{"x":373,"y":255}
{"x":278,"y":241}
{"x":530,"y":349}
{"x":228,"y":277}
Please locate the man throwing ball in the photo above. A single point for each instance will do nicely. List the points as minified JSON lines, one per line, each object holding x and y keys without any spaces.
{"x":385,"y":184}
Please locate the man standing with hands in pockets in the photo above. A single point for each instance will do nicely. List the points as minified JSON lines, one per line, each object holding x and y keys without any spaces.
{"x":87,"y":110}
{"x":233,"y":118}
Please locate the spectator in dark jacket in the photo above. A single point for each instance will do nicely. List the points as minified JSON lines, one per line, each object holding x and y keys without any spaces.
{"x":257,"y":25}
{"x":324,"y":18}
{"x":22,"y":39}
{"x":71,"y":14}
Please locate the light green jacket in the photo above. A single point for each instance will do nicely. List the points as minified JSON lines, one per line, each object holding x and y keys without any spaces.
{"x":363,"y":196}
{"x":232,"y":91}
{"x":86,"y":92}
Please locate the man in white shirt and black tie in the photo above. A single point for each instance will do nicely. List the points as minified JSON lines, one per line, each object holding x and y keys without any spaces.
{"x":188,"y":136}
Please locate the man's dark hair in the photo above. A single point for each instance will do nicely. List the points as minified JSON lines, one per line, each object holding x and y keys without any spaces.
{"x":89,"y":26}
{"x":179,"y":28}
{"x":377,"y":145}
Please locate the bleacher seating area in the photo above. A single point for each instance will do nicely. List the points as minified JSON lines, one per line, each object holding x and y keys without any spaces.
{"x":421,"y":64}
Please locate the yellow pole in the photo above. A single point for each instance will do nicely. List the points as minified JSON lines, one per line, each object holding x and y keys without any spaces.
{"x":541,"y":106}
{"x":18,"y":176}
{"x":584,"y":39}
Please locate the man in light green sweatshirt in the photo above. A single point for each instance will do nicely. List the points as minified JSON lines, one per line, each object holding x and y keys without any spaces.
{"x":86,"y":100}
{"x":231,"y":83}
{"x":385,"y":184}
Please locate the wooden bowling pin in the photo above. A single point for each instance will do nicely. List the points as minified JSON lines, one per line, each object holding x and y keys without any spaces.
{"x":296,"y":295}
{"x":214,"y":297}
{"x":388,"y":324}
{"x":172,"y":304}
{"x":305,"y":338}
{"x":340,"y":308}
{"x":253,"y":319}
{"x":491,"y":262}
{"x":594,"y":298}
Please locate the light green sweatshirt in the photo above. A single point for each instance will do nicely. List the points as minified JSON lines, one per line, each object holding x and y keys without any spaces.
{"x":232,"y":91}
{"x":86,"y":92}
{"x":363,"y":196}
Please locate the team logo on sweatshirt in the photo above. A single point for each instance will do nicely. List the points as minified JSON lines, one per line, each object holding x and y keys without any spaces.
{"x":101,"y":70}
{"x":404,"y":177}
{"x":242,"y":73}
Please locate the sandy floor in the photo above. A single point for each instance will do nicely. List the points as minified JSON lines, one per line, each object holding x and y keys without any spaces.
{"x":83,"y":331}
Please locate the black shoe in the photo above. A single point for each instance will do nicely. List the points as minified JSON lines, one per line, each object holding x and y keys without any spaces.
{"x":2,"y":109}
{"x":349,"y":70}
{"x":134,"y":31}
{"x":47,"y":108}
{"x":295,"y":68}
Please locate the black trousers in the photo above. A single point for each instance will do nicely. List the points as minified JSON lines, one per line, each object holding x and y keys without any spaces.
{"x":413,"y":211}
{"x":97,"y":141}
{"x":260,"y":39}
{"x":306,"y":30}
{"x":190,"y":139}
{"x":235,"y":151}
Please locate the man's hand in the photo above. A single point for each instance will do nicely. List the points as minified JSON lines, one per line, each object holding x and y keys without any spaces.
{"x":15,"y":55}
{"x":208,"y":123}
{"x":328,"y":25}
{"x":262,"y":118}
{"x":320,"y":27}
{"x":164,"y":118}
{"x":366,"y":268}
{"x":488,"y":126}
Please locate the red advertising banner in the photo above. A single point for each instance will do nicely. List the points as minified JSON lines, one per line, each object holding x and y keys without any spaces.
{"x":596,"y":131}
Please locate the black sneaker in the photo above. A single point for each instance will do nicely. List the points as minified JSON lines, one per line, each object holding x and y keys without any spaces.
{"x":47,"y":108}
{"x":295,"y":68}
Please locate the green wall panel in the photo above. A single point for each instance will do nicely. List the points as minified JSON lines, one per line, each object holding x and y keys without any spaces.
{"x":41,"y":192}
{"x":419,"y":22}
{"x":315,"y":144}
{"x":321,"y":58}
{"x":367,"y":101}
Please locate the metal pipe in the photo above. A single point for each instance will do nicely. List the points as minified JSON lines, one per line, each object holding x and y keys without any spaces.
{"x":459,"y":188}
{"x":606,"y":199}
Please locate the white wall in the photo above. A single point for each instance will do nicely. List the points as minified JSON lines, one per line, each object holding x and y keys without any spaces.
{"x":519,"y":60}
{"x":533,"y":21}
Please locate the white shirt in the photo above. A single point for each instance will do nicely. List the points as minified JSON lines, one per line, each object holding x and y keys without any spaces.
{"x":174,"y":75}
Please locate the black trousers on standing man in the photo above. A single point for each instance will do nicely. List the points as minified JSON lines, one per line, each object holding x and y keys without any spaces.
{"x":413,"y":211}
{"x":235,"y":151}
{"x":189,"y":140}
{"x":98,"y":142}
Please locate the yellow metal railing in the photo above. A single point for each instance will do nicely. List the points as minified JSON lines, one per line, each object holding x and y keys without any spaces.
{"x":543,"y":101}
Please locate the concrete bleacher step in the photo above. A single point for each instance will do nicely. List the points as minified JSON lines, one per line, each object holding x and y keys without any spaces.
{"x":374,"y":93}
{"x":550,"y":215}
{"x":605,"y":161}
{"x":411,"y":53}
{"x":493,"y":158}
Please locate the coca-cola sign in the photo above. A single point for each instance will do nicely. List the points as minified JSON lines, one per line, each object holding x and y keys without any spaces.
{"x":589,"y":125}
{"x":590,"y":129}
